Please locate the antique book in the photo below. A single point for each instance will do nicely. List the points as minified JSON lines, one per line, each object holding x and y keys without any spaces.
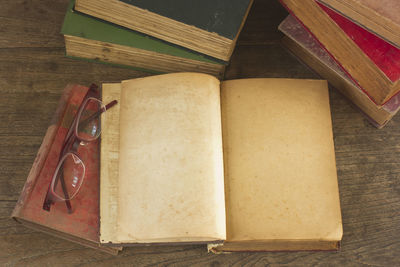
{"x":96,"y":40}
{"x":242,"y":165}
{"x":206,"y":26}
{"x":304,"y":46}
{"x":380,"y":17}
{"x":81,"y":226}
{"x":371,"y":62}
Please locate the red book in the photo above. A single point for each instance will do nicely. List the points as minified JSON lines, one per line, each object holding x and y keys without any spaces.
{"x":380,"y":17}
{"x":301,"y":43}
{"x":371,"y":62}
{"x":82,"y":225}
{"x":385,"y":55}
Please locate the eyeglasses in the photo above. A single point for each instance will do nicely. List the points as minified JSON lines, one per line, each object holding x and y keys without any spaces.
{"x":70,"y":172}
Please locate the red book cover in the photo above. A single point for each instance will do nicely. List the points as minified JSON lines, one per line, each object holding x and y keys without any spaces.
{"x":383,"y":81}
{"x":378,"y":116}
{"x":385,"y":55}
{"x":82,"y":225}
{"x":380,"y":17}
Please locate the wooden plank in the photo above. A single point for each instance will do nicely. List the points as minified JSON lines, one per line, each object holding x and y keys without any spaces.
{"x":261,"y":25}
{"x":23,"y":33}
{"x":31,"y":23}
{"x":266,"y":60}
{"x":47,"y":69}
{"x":44,"y":11}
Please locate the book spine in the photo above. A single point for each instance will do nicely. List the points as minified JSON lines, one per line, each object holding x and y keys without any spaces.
{"x":43,"y":151}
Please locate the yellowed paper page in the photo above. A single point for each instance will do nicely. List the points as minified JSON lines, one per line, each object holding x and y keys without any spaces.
{"x":171,"y":184}
{"x":109,"y":154}
{"x":281,"y":181}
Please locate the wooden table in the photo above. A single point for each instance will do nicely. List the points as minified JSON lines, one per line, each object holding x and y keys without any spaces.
{"x":33,"y":72}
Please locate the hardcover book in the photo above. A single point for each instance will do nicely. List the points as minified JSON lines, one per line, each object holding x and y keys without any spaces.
{"x":242,"y":165}
{"x":303,"y":45}
{"x":96,"y":40}
{"x":206,"y":26}
{"x":380,"y":17}
{"x":82,"y":225}
{"x":372,"y":63}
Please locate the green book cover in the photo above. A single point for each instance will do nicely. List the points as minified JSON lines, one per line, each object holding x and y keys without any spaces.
{"x":80,"y":25}
{"x":223,"y":17}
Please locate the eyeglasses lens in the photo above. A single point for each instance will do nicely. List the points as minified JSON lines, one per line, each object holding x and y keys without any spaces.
{"x":89,"y":127}
{"x":70,"y":175}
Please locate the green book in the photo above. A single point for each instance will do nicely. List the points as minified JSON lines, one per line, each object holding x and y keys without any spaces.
{"x":90,"y":38}
{"x":206,"y":26}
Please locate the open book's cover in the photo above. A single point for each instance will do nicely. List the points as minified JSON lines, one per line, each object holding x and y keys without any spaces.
{"x":384,"y":56}
{"x":378,"y":115}
{"x":80,"y":25}
{"x":81,"y":226}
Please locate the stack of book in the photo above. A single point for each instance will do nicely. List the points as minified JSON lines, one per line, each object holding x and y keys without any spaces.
{"x":354,"y":45}
{"x":155,"y":36}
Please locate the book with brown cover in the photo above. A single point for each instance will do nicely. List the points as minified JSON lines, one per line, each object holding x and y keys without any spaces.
{"x":82,"y":225}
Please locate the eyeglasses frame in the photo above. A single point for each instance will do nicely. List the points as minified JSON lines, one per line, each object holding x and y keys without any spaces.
{"x":70,"y":146}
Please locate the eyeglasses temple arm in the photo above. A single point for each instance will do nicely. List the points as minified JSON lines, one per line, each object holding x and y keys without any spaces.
{"x":98,"y":113}
{"x":111,"y":104}
{"x":47,"y":202}
{"x":64,"y":188}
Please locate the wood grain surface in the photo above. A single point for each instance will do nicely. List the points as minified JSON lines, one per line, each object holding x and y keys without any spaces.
{"x":33,"y":72}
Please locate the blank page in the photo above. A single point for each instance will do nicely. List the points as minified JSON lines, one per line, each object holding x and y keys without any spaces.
{"x":170,"y":185}
{"x":280,"y":173}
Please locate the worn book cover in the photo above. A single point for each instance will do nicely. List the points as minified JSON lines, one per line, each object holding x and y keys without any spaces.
{"x":383,"y":54}
{"x":242,"y":165}
{"x":303,"y":44}
{"x":82,"y":225}
{"x":380,"y":17}
{"x":372,"y":63}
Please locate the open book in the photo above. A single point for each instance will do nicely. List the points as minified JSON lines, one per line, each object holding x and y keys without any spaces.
{"x":244,"y":165}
